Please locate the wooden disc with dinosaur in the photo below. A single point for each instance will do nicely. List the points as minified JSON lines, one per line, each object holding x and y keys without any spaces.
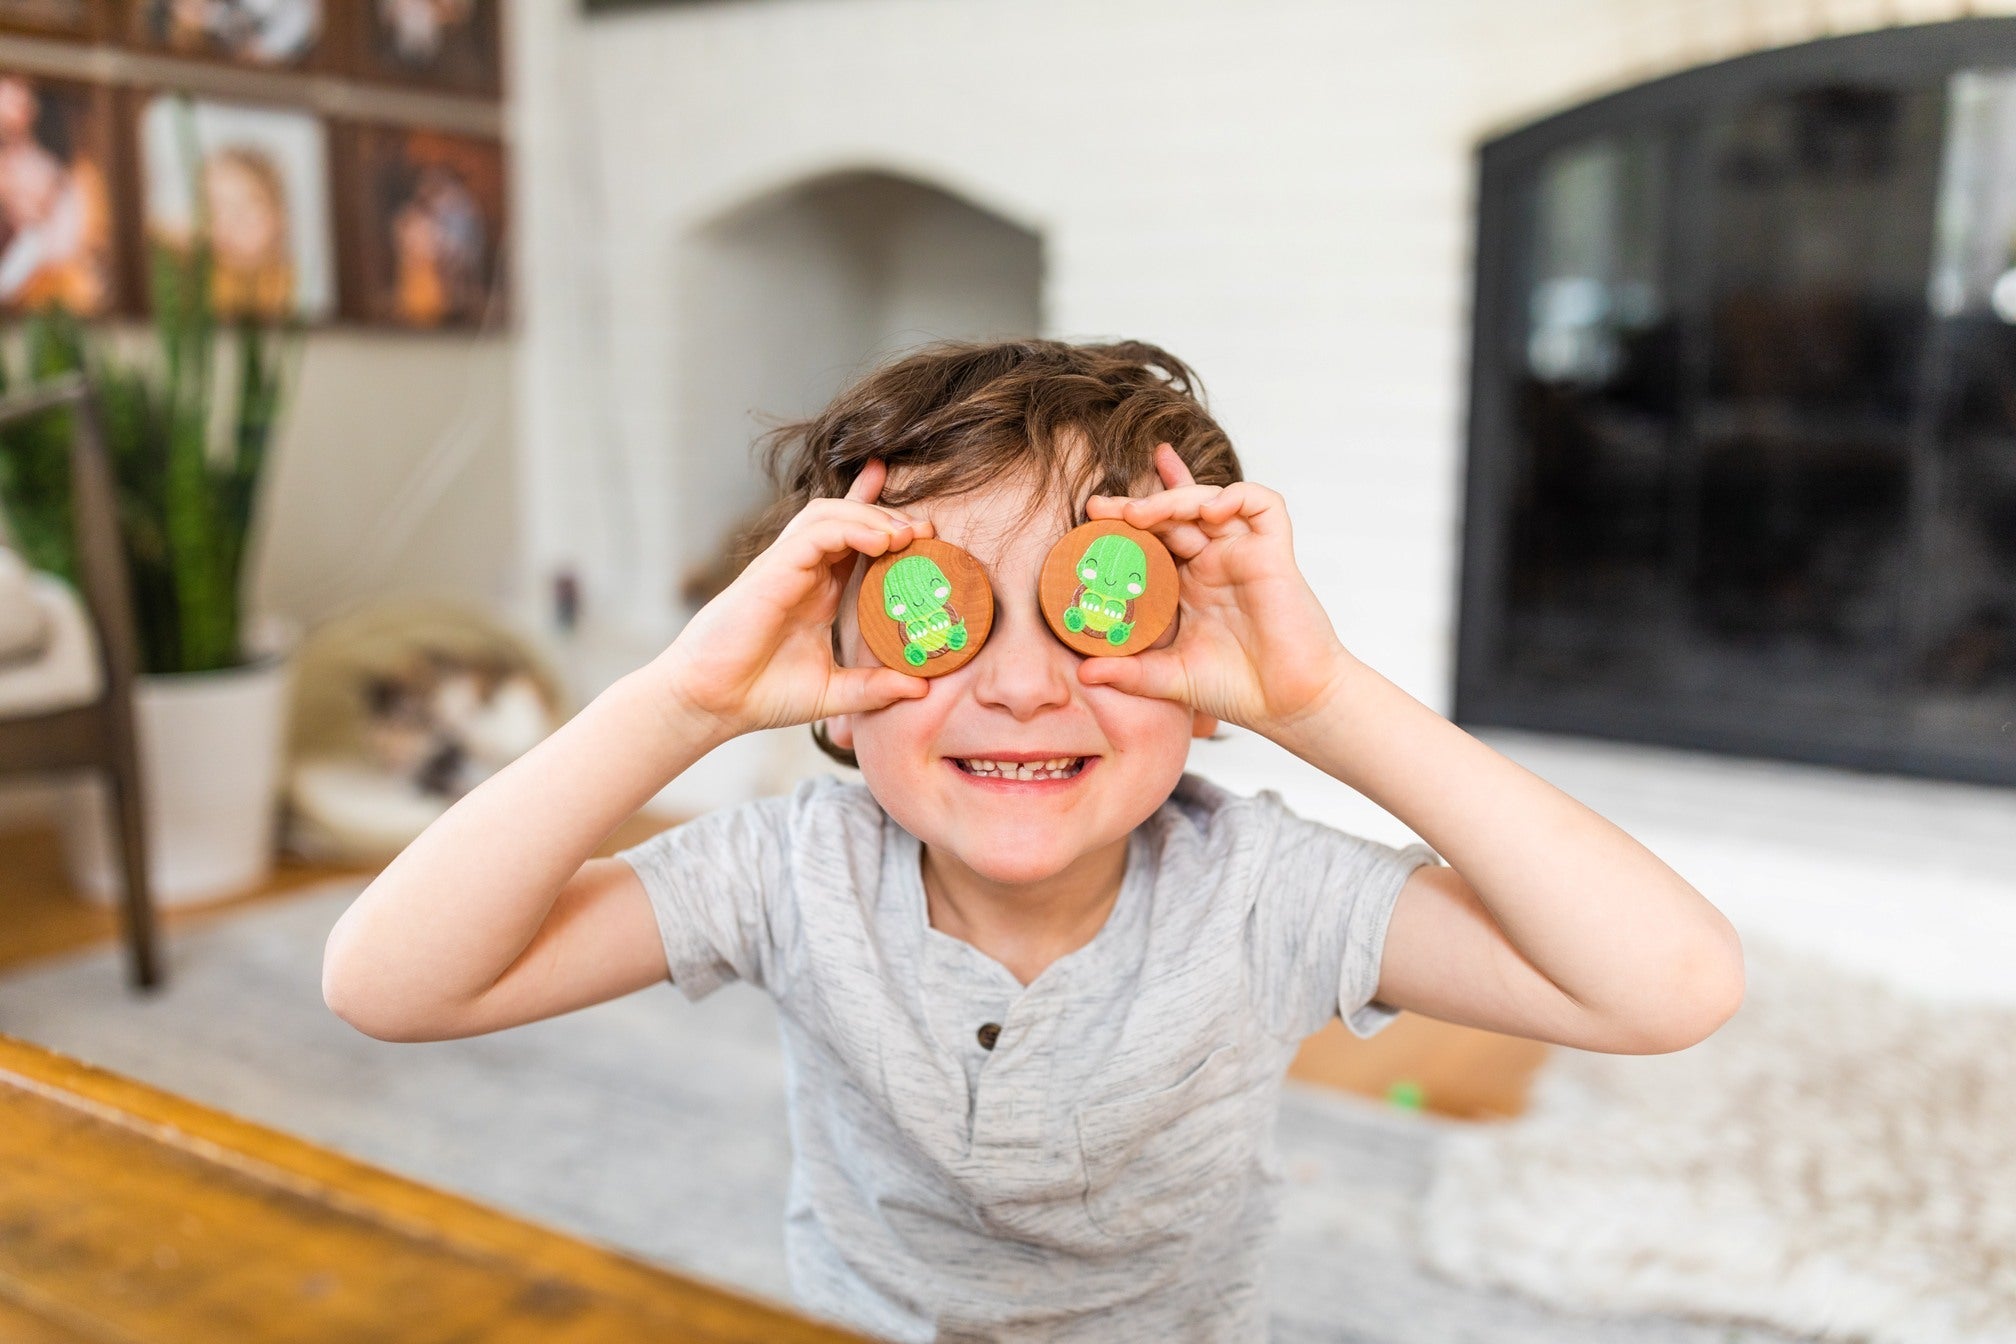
{"x":925,"y":609}
{"x":1108,"y":589}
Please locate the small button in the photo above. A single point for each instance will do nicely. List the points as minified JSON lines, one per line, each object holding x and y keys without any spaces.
{"x":988,"y":1034}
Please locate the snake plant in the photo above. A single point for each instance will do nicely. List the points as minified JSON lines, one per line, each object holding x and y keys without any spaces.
{"x":186,"y":494}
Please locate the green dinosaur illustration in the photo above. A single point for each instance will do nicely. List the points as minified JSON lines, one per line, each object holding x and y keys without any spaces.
{"x":1112,"y":573}
{"x":918,"y":597}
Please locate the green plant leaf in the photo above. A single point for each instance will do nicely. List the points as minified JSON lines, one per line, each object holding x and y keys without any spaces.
{"x":186,"y":505}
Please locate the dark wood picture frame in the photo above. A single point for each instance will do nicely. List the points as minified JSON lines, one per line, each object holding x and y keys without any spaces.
{"x":96,"y":192}
{"x":84,"y":20}
{"x":470,"y":60}
{"x":130,"y":21}
{"x":136,"y":101}
{"x":383,"y":171}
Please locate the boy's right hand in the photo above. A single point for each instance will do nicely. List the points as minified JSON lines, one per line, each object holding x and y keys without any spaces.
{"x":760,"y":655}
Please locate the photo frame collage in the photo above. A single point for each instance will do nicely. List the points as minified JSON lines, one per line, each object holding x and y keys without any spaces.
{"x":331,"y":219}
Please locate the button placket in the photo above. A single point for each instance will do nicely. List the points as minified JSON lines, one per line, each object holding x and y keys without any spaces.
{"x":1013,"y":1094}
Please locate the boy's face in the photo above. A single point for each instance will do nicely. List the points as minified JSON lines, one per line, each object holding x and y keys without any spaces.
{"x":1019,"y":697}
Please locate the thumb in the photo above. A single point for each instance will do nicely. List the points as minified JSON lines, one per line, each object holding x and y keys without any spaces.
{"x":856,"y":690}
{"x":1157,"y":673}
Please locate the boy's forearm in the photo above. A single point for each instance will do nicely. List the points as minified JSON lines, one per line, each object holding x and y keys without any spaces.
{"x":458,"y":905}
{"x":1599,"y":914}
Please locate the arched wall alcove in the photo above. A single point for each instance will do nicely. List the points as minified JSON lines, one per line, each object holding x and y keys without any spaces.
{"x":784,"y":298}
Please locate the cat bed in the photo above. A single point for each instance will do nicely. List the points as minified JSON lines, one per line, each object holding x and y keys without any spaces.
{"x":398,"y":709}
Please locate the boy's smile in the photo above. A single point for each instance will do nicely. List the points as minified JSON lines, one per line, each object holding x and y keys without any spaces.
{"x":1010,"y":770}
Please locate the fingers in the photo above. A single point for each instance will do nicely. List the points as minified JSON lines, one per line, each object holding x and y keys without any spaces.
{"x":1260,"y":508}
{"x":867,"y":485}
{"x":1216,"y":510}
{"x":1183,"y":503}
{"x":1169,"y":465}
{"x":1184,"y":540}
{"x":1155,"y":673}
{"x":827,"y":529}
{"x":1173,"y":521}
{"x":857,"y":690}
{"x":867,"y":489}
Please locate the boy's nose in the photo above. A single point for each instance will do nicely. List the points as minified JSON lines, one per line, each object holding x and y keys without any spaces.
{"x":1023,"y":668}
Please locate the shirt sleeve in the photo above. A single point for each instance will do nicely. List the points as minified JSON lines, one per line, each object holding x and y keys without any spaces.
{"x":715,"y":883}
{"x":1319,"y":923}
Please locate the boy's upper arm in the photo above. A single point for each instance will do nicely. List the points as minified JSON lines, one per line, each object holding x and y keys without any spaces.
{"x":1447,"y":958}
{"x":599,"y":942}
{"x":1319,"y":918}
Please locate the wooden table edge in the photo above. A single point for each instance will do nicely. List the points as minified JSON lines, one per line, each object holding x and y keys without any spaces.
{"x":374,"y":1194}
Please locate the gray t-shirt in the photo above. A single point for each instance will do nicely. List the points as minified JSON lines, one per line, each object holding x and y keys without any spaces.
{"x":1101,"y":1167}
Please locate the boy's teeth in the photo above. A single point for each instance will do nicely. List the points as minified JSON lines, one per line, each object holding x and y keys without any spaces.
{"x":1058,"y":767}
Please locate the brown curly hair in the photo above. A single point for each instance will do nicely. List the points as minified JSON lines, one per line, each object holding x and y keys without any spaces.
{"x":959,"y":416}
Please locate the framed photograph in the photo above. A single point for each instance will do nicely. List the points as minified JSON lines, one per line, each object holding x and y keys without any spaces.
{"x":58,"y":244}
{"x":426,"y":224}
{"x":83,"y":19}
{"x":275,"y":34}
{"x":453,"y":46}
{"x":261,"y":176}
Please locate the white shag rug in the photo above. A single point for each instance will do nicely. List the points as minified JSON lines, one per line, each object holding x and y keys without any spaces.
{"x":1839,"y":1161}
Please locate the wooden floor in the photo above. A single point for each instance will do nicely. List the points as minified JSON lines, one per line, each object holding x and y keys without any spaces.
{"x":1456,"y":1071}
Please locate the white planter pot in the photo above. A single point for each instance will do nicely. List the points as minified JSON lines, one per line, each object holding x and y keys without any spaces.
{"x":210,"y":746}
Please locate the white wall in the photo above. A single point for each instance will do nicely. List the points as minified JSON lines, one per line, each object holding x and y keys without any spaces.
{"x":783,"y":301}
{"x":1279,"y":192}
{"x":394,"y":474}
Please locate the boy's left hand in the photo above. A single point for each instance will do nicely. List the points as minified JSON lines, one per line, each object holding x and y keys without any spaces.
{"x":1253,"y":646}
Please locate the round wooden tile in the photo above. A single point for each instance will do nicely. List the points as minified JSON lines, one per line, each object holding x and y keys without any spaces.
{"x":925,"y":609}
{"x":1108,"y":589}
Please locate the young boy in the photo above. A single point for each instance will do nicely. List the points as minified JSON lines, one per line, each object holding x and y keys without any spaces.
{"x":1036,"y":1016}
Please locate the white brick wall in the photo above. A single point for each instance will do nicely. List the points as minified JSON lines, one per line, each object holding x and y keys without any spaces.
{"x":1279,"y":192}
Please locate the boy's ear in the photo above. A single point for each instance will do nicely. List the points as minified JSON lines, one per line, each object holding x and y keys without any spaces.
{"x":840,"y":731}
{"x":1201,"y":724}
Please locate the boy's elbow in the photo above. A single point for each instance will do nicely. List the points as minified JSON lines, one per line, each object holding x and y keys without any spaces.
{"x":346,"y":994}
{"x":1724,"y":970}
{"x":358,"y":1012}
{"x":1709,"y":993}
{"x":340,"y":993}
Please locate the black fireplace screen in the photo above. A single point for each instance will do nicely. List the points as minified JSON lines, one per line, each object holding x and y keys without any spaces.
{"x":1743,"y":418}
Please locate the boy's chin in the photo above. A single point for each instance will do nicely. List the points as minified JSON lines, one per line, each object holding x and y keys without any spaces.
{"x":1017,"y":870}
{"x":1013,"y":860}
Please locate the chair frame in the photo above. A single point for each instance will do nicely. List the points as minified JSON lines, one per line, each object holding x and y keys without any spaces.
{"x":100,"y":735}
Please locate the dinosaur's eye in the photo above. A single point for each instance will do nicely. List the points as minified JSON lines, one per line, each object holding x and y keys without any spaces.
{"x":897,"y":608}
{"x":1089,"y":573}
